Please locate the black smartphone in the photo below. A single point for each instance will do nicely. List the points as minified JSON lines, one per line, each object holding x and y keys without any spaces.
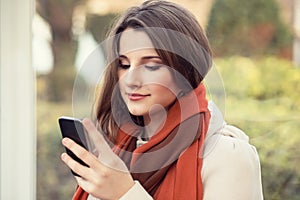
{"x":73,"y":129}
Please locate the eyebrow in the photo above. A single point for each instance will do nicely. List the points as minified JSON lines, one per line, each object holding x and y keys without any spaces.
{"x":143,"y":58}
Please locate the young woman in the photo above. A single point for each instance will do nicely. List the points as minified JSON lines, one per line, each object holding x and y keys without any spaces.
{"x":160,"y":137}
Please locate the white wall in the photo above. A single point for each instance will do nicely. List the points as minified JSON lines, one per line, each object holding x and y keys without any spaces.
{"x":17,"y":102}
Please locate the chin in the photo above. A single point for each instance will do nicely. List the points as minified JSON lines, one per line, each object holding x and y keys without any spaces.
{"x":137,"y":112}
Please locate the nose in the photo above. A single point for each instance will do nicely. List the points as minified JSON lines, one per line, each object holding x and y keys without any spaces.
{"x":133,"y":77}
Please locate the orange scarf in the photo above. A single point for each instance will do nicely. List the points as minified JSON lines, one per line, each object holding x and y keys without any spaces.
{"x":169,"y":164}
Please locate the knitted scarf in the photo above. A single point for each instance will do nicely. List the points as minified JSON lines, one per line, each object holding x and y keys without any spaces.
{"x":169,"y":164}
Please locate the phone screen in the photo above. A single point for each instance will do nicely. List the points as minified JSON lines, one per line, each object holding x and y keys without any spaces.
{"x":73,"y":129}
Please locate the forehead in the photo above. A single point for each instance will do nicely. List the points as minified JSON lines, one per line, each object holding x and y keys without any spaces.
{"x":133,"y":40}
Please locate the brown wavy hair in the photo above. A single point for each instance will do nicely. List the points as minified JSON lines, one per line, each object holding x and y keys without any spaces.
{"x":192,"y":58}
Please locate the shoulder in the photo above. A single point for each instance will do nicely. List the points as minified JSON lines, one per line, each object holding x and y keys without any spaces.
{"x":230,"y":145}
{"x":230,"y":161}
{"x":224,"y":141}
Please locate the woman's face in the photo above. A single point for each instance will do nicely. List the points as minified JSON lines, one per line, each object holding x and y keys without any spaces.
{"x":144,"y":80}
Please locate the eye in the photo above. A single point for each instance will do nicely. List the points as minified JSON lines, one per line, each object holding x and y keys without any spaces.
{"x":124,"y":66}
{"x":152,"y":67}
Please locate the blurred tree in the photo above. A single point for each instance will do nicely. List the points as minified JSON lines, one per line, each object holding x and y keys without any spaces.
{"x":248,"y":28}
{"x":58,"y":13}
{"x":98,"y":25}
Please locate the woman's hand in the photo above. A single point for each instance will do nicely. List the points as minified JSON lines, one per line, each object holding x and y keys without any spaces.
{"x":107,"y":177}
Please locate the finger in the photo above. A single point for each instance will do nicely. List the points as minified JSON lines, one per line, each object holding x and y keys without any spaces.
{"x":79,"y":151}
{"x":75,"y":166}
{"x":99,"y":141}
{"x":84,"y":184}
{"x":106,"y":155}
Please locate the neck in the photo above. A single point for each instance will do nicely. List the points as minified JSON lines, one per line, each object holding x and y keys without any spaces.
{"x":155,"y":120}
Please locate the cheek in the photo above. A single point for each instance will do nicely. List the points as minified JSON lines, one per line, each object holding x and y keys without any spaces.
{"x":164,"y":95}
{"x":166,"y":83}
{"x":168,"y":80}
{"x":121,"y":83}
{"x":121,"y":73}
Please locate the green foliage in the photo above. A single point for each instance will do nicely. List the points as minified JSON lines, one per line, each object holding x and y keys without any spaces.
{"x":277,"y":143}
{"x":262,"y":100}
{"x":54,"y":180}
{"x":263,"y":79}
{"x":58,"y":84}
{"x":247,"y":28}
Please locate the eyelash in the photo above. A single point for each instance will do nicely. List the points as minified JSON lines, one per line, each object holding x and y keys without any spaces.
{"x":124,"y":66}
{"x":152,"y":67}
{"x":149,"y":67}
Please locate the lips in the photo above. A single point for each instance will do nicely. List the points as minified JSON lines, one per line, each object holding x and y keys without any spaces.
{"x":137,"y":96}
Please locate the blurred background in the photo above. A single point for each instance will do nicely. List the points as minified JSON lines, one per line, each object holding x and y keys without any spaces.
{"x":256,"y":47}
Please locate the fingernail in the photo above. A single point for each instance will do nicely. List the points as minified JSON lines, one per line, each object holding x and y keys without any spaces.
{"x":85,"y":121}
{"x":65,"y":140}
{"x":63,"y":156}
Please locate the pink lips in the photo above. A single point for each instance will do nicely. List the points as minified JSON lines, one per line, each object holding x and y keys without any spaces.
{"x":136,"y":96}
